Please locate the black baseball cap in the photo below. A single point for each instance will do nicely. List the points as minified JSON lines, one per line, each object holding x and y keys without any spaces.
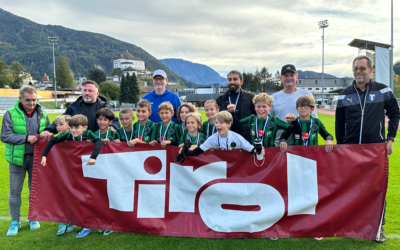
{"x":288,"y":67}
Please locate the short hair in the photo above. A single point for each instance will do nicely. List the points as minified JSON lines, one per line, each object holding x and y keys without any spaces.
{"x":224,"y":116}
{"x":77,"y":120}
{"x":62,"y":118}
{"x":90,"y":82}
{"x":263,"y":97}
{"x":370,"y":63}
{"x":190,"y":106}
{"x":166,"y":105}
{"x":106,"y":113}
{"x":236,"y":72}
{"x":144,"y":104}
{"x":196,"y":116}
{"x":126,"y":111}
{"x":212,"y":102}
{"x":305,"y":100}
{"x":27,"y":89}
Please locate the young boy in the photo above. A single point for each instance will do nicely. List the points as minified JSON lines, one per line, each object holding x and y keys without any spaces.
{"x":211,"y":108}
{"x":62,"y":123}
{"x":126,"y":118}
{"x":144,"y":130}
{"x":168,"y":132}
{"x":78,"y":132}
{"x":310,"y":127}
{"x":104,"y":118}
{"x":263,"y":125}
{"x":224,"y":139}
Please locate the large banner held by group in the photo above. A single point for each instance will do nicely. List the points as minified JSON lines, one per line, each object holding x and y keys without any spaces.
{"x":304,"y":192}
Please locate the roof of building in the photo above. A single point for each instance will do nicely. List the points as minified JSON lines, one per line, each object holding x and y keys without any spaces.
{"x":365,"y":44}
{"x":128,"y":56}
{"x":126,"y":63}
{"x":45,"y":78}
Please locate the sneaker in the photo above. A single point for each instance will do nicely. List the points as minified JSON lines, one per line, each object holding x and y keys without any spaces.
{"x":273,"y":238}
{"x":318,"y":238}
{"x":13,"y":229}
{"x":382,"y":237}
{"x":34,"y":225}
{"x":70,"y":228}
{"x":61,"y":229}
{"x":84,"y":232}
{"x":107,"y":232}
{"x":100,"y":231}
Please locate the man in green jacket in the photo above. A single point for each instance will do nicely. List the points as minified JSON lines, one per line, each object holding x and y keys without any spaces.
{"x":21,"y":124}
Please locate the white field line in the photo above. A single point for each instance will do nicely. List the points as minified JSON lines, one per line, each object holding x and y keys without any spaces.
{"x":3,"y":218}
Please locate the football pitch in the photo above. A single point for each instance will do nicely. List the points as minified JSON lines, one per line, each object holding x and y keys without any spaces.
{"x":45,"y":237}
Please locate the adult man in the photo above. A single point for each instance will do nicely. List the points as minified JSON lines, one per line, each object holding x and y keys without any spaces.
{"x":87,"y":105}
{"x":360,"y":112}
{"x":21,"y":124}
{"x":285,"y":100}
{"x":236,"y":100}
{"x":161,"y":94}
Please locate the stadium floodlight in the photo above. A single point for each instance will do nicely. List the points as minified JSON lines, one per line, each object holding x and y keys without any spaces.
{"x":322,"y":25}
{"x":54,"y":40}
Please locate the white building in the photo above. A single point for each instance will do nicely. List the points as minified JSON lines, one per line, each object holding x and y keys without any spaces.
{"x":126,"y":60}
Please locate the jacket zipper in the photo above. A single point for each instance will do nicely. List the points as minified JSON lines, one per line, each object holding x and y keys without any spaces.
{"x":362,"y":110}
{"x":380,"y":130}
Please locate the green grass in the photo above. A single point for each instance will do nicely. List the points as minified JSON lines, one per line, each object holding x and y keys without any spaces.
{"x":45,"y":237}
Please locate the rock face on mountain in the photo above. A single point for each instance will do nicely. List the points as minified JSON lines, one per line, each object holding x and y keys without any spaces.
{"x":194,"y":72}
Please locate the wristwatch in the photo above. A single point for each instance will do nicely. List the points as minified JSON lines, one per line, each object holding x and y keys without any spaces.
{"x":390,"y":139}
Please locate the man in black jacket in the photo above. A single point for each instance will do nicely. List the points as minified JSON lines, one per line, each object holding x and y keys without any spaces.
{"x":360,"y":112}
{"x":237,"y":100}
{"x":87,"y":105}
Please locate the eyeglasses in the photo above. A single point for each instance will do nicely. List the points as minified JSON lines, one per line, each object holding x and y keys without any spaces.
{"x":362,"y":69}
{"x":304,"y":107}
{"x":158,"y":79}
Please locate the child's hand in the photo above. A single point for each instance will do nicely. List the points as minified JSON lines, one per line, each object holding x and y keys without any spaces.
{"x":283,"y":146}
{"x":263,"y":152}
{"x":132,"y":143}
{"x":105,"y":141}
{"x":193,"y":147}
{"x":328,"y":146}
{"x":165,"y":143}
{"x":117,"y":141}
{"x":44,"y":159}
{"x":290,"y":117}
{"x":181,"y":145}
{"x":91,"y":161}
{"x":152,"y":143}
{"x":180,"y":150}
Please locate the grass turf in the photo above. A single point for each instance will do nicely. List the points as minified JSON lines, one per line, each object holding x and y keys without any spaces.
{"x":45,"y":237}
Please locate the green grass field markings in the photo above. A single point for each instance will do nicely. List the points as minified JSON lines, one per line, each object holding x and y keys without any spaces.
{"x":8,"y":218}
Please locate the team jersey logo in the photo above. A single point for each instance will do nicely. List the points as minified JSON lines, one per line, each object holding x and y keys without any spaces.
{"x":305,"y":136}
{"x":260,"y":132}
{"x":297,"y":137}
{"x":372,"y":97}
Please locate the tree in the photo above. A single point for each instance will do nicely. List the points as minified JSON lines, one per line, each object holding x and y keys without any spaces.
{"x":109,"y":89}
{"x":12,"y":75}
{"x":96,"y":75}
{"x":6,"y":78}
{"x":396,"y":67}
{"x":115,"y":71}
{"x":123,"y":90}
{"x":134,"y":91}
{"x":64,"y":75}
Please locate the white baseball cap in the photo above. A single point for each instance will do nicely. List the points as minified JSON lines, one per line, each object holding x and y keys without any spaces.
{"x":160,"y":72}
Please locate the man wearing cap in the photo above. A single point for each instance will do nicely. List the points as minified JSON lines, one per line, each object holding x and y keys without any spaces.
{"x":161,"y":94}
{"x":285,"y":100}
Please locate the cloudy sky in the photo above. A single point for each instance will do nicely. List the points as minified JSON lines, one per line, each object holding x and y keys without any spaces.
{"x":230,"y":34}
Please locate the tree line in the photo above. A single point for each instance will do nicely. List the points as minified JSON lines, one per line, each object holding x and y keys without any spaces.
{"x":261,"y":81}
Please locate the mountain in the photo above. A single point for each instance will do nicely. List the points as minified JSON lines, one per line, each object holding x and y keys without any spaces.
{"x":27,"y":42}
{"x":312,"y":74}
{"x":195,"y":72}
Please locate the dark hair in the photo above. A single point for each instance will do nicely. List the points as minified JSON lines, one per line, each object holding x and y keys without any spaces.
{"x":236,"y":72}
{"x":126,"y":111}
{"x":90,"y":82}
{"x":106,"y":113}
{"x":305,"y":100}
{"x":77,"y":120}
{"x":190,"y":106}
{"x":144,"y":104}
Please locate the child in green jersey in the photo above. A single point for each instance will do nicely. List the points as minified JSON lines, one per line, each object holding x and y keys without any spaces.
{"x":192,"y":127}
{"x":168,"y":132}
{"x":144,"y":130}
{"x":182,"y":111}
{"x":263,"y":125}
{"x":125,"y":132}
{"x":310,"y":127}
{"x":211,"y":108}
{"x":104,"y":118}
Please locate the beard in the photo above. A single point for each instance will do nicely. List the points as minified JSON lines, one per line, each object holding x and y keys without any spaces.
{"x":233,"y":88}
{"x":89,"y":100}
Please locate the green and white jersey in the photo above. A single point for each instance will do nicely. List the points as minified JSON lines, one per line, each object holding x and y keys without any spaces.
{"x":171,"y":132}
{"x":196,"y":140}
{"x":146,"y":133}
{"x":208,"y":129}
{"x":309,"y":132}
{"x":87,"y":135}
{"x":125,"y":135}
{"x":106,"y":135}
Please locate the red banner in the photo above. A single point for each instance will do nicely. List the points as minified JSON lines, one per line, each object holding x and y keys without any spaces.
{"x":304,"y":192}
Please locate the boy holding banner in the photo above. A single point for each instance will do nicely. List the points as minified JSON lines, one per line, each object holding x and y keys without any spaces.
{"x":104,"y":118}
{"x":192,"y":132}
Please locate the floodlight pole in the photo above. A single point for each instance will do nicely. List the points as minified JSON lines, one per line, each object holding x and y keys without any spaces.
{"x":54,"y":40}
{"x":322,"y":25}
{"x":391,"y":53}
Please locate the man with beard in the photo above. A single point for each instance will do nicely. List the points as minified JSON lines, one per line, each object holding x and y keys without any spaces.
{"x":86,"y":105}
{"x":361,"y":110}
{"x":237,"y":100}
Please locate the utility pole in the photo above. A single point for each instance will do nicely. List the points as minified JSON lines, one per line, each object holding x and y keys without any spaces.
{"x":391,"y":55}
{"x":322,"y":25}
{"x":54,"y":40}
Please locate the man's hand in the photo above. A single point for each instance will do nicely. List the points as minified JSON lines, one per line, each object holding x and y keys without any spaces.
{"x":231,"y":107}
{"x":389,"y":148}
{"x":91,"y":161}
{"x":290,"y":117}
{"x":44,"y":159}
{"x":112,"y":128}
{"x":32,"y":139}
{"x":283,"y":146}
{"x":152,"y":143}
{"x":46,"y":135}
{"x":328,"y":146}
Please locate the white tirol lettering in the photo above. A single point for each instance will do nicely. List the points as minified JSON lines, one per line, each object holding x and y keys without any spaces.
{"x":151,"y":201}
{"x":184,"y":183}
{"x":302,"y":185}
{"x":242,"y":194}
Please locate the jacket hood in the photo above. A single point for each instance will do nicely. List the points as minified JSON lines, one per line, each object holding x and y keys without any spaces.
{"x":153,"y":93}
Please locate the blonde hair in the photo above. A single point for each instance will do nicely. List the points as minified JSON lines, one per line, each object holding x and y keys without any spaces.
{"x":305,"y":100}
{"x":125,"y":111}
{"x":196,"y":116}
{"x":167,"y":106}
{"x":191,"y":108}
{"x":144,"y":104}
{"x":62,"y":118}
{"x":224,"y":117}
{"x":27,"y":89}
{"x":263,"y":97}
{"x":212,"y":102}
